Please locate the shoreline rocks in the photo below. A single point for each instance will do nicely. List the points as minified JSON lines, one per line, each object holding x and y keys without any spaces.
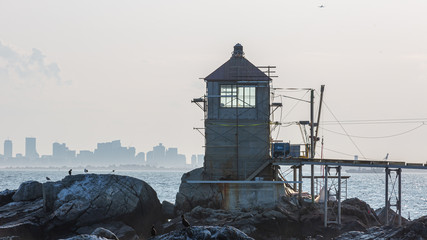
{"x":288,"y":219}
{"x":80,"y":204}
{"x":106,"y":206}
{"x":205,"y":233}
{"x":191,"y":195}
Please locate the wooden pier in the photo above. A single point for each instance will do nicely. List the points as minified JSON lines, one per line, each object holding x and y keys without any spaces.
{"x":337,"y":164}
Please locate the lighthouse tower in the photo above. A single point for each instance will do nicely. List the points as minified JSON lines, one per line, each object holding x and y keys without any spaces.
{"x":237,"y":120}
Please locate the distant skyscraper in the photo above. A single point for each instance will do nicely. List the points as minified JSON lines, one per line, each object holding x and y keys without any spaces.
{"x":7,"y":149}
{"x":113,"y":152}
{"x":140,"y":157}
{"x":30,"y":148}
{"x":61,"y":151}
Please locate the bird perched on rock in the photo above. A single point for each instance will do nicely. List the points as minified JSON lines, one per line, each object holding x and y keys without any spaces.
{"x":69,"y":171}
{"x":153,"y":231}
{"x":47,"y":178}
{"x":184,"y":221}
{"x":86,"y":170}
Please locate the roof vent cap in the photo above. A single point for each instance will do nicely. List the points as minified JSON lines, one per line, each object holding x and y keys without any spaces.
{"x":238,"y":51}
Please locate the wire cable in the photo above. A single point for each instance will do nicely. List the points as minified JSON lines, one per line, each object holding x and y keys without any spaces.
{"x":376,"y":137}
{"x":348,"y":135}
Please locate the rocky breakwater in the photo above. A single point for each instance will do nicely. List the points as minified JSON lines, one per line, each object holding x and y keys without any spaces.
{"x":289,"y":218}
{"x":80,"y":204}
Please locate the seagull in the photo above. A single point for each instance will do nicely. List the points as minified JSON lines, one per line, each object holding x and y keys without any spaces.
{"x":153,"y":231}
{"x":184,"y":221}
{"x":47,"y":178}
{"x":69,"y":171}
{"x":86,"y":170}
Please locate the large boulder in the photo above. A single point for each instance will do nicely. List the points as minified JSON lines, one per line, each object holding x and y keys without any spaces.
{"x":393,"y":217}
{"x":97,"y":234}
{"x":168,"y":210}
{"x":83,"y":200}
{"x":22,"y":219}
{"x":191,"y":195}
{"x":6,"y":196}
{"x":206,"y":232}
{"x":28,"y":191}
{"x":121,"y":230}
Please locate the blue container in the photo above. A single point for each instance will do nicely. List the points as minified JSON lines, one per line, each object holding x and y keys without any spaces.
{"x":280,"y":149}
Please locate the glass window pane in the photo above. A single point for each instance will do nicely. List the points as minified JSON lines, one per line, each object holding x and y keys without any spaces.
{"x":233,"y":96}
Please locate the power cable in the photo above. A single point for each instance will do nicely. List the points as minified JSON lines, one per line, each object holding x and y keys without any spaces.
{"x":377,"y":137}
{"x":348,"y":135}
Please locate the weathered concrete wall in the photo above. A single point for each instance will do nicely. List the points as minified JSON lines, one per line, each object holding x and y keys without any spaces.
{"x":226,"y":196}
{"x":250,"y":196}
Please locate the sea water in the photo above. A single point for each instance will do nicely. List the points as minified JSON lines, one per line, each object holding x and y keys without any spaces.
{"x":369,"y":187}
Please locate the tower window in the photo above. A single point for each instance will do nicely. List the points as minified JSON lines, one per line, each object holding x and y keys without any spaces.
{"x":237,"y":96}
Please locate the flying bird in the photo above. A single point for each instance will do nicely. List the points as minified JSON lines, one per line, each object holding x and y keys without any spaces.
{"x":322,"y":6}
{"x":86,"y":170}
{"x":184,"y":221}
{"x":47,"y":178}
{"x":69,"y":171}
{"x":153,"y":231}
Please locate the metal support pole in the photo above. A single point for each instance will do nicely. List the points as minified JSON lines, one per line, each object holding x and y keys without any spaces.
{"x":300,"y":182}
{"x":339,"y":194}
{"x":387,"y":203}
{"x":312,"y":183}
{"x":326,"y":197}
{"x":295,"y":177}
{"x":312,"y":142}
{"x":399,"y":203}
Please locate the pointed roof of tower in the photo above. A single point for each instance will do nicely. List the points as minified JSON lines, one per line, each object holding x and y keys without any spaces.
{"x":238,"y":68}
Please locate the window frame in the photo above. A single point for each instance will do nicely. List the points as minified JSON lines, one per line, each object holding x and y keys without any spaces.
{"x":237,"y":96}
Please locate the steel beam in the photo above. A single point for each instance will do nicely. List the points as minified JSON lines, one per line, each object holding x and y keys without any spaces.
{"x":339,"y":194}
{"x":387,"y":203}
{"x":300,"y":182}
{"x":325,"y":204}
{"x":399,"y":201}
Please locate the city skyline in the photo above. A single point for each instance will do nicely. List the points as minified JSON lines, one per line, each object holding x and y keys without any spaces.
{"x":108,"y":153}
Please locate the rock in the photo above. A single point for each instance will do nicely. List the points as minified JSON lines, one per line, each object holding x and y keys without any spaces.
{"x":84,"y":200}
{"x":105,"y":233}
{"x":286,"y":220}
{"x":168,"y":210}
{"x":356,"y":209}
{"x":416,"y":229}
{"x":206,"y":232}
{"x":28,"y":191}
{"x":191,"y":195}
{"x":86,"y":237}
{"x":121,"y":230}
{"x":22,"y":219}
{"x":6,"y":196}
{"x":392,"y":216}
{"x":22,"y":230}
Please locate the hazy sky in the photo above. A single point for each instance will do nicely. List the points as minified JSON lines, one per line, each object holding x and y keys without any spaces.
{"x":83,"y":72}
